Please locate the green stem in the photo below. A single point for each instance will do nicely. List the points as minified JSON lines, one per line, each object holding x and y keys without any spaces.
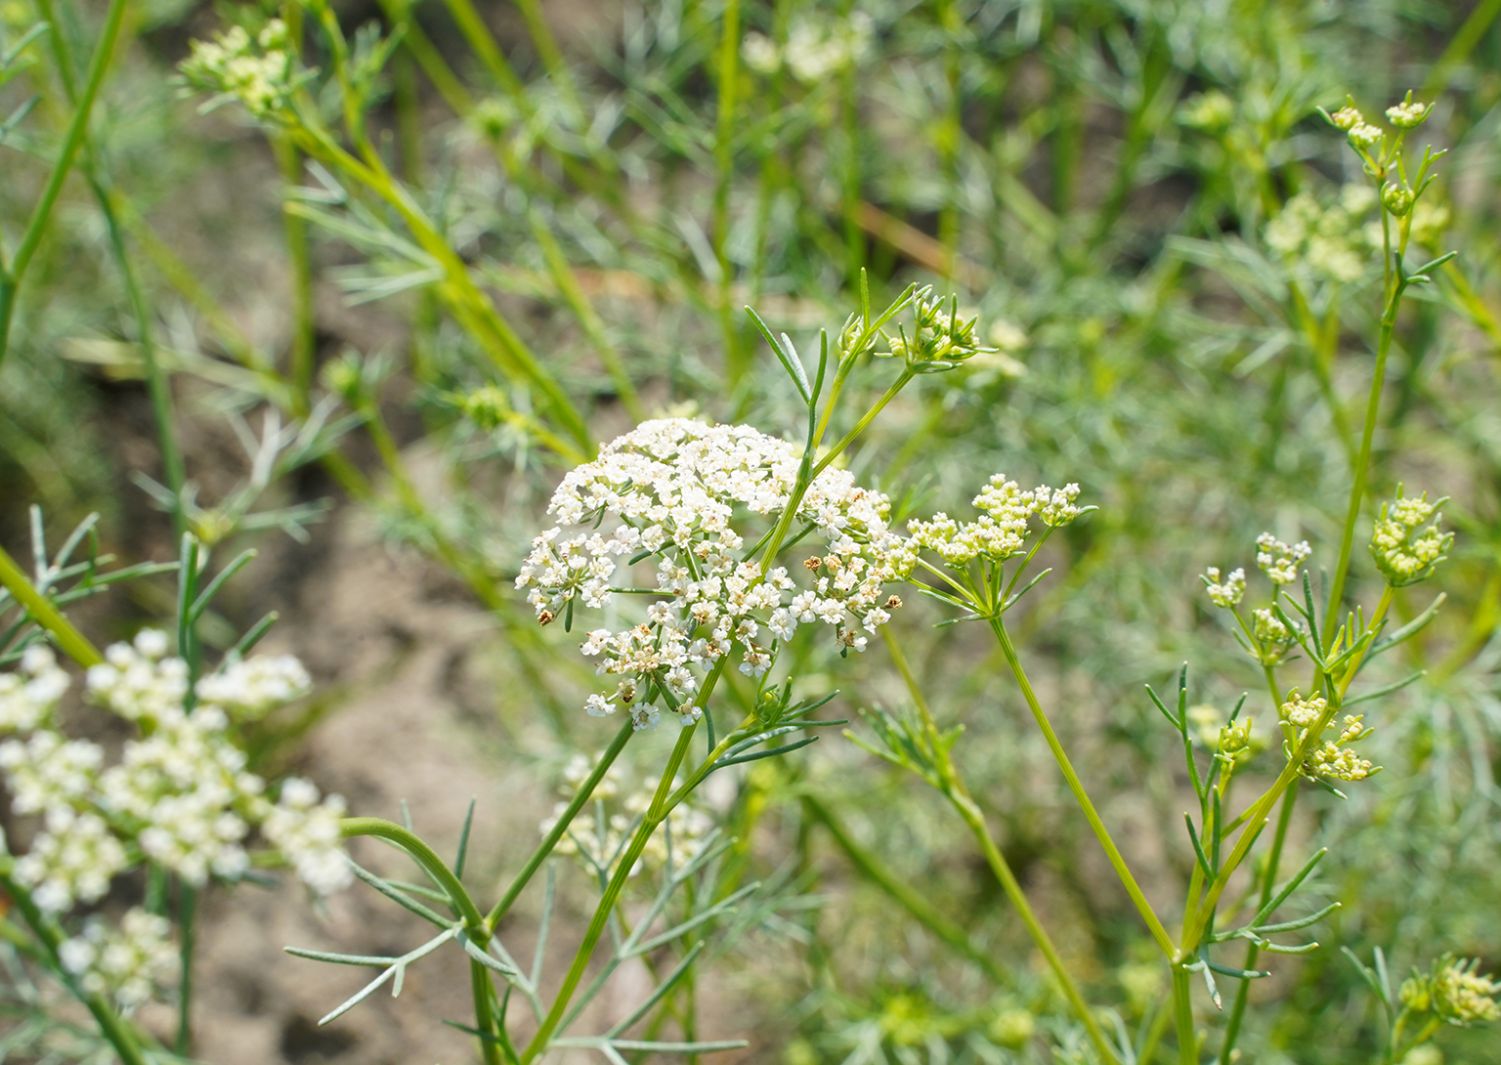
{"x":1183,"y":1019}
{"x":899,"y":891}
{"x":187,"y":907}
{"x":1076,"y":786}
{"x":1268,"y":885}
{"x":724,"y":161}
{"x":555,"y":834}
{"x":73,"y":140}
{"x":112,"y":1027}
{"x":625,"y":864}
{"x":954,"y":790}
{"x":474,"y":921}
{"x":1362,"y":464}
{"x":72,"y":642}
{"x":864,"y":422}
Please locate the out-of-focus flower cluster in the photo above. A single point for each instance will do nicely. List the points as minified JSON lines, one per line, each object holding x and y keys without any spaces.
{"x":1407,"y":542}
{"x":1001,"y":530}
{"x":256,"y":70}
{"x":178,"y":795}
{"x":1330,"y":241}
{"x":599,"y":839}
{"x":1454,"y":991}
{"x":815,"y":49}
{"x":686,"y":495}
{"x":127,"y":962}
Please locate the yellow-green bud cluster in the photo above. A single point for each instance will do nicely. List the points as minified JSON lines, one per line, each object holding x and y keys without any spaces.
{"x":255,"y":70}
{"x":941,"y":339}
{"x":1407,"y":542}
{"x":1455,"y":992}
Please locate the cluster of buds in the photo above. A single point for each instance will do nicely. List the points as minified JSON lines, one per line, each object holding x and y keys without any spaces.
{"x":1272,"y":633}
{"x":1406,"y":541}
{"x":1333,"y":759}
{"x":1455,"y":992}
{"x":1378,"y":149}
{"x":127,"y":962}
{"x":690,"y":496}
{"x":257,"y":71}
{"x":941,"y":339}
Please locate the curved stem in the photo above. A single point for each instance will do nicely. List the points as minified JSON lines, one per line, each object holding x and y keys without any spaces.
{"x":425,"y":856}
{"x":1076,"y":786}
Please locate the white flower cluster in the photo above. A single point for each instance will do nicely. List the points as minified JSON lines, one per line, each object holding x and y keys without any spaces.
{"x":257,"y":71}
{"x":1407,"y":542}
{"x":179,"y":793}
{"x":1280,"y":561}
{"x":815,"y":48}
{"x":128,"y":962}
{"x":1332,"y":241}
{"x":600,"y":839}
{"x":1273,"y":634}
{"x":1000,"y":532}
{"x":28,"y":696}
{"x":1226,"y":591}
{"x":250,"y":688}
{"x":674,"y":490}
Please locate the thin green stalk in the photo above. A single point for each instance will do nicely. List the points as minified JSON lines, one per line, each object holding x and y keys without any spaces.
{"x":899,"y":891}
{"x":1076,"y":786}
{"x":12,"y":274}
{"x":72,"y":642}
{"x":1253,"y":952}
{"x":1018,"y":899}
{"x":954,"y":789}
{"x":157,"y":385}
{"x":555,"y":834}
{"x":187,"y":909}
{"x":727,"y":73}
{"x":626,"y":863}
{"x":111,"y":1026}
{"x":869,"y":416}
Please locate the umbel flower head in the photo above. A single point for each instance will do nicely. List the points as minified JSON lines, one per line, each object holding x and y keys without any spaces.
{"x":179,"y":793}
{"x":257,"y":70}
{"x":1454,"y":991}
{"x":698,"y":500}
{"x":1407,"y":542}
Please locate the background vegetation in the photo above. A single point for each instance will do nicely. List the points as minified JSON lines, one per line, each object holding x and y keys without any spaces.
{"x":232,"y":329}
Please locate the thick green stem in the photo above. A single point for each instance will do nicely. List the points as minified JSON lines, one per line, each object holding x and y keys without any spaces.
{"x":1183,"y":1019}
{"x":70,"y":640}
{"x":724,"y":162}
{"x":1076,"y":786}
